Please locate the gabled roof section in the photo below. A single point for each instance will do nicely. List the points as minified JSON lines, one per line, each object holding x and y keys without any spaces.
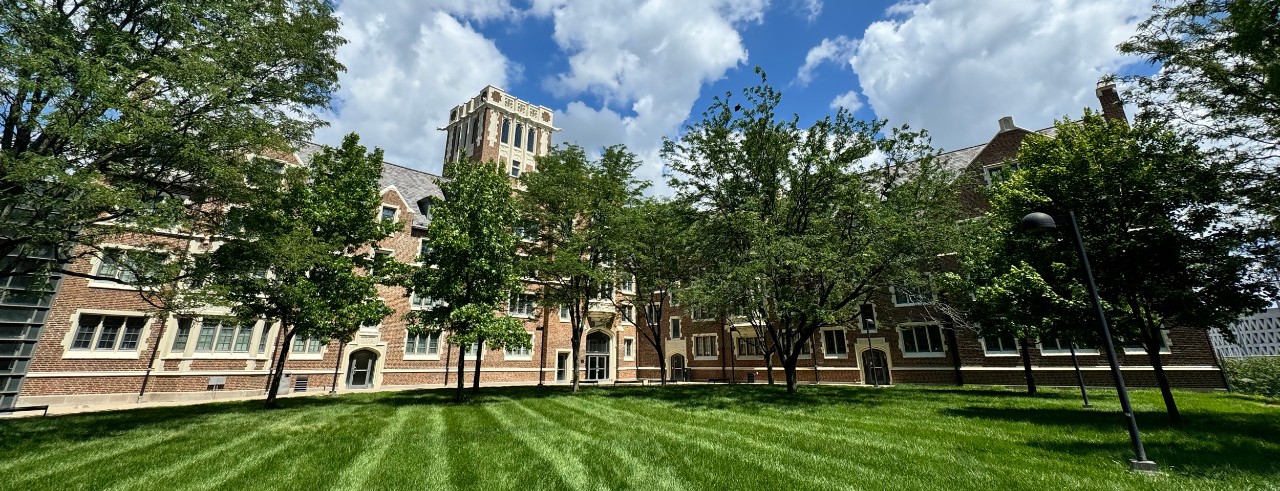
{"x":414,"y":186}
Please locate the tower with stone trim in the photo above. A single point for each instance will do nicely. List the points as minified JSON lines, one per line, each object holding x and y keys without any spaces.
{"x":496,"y":127}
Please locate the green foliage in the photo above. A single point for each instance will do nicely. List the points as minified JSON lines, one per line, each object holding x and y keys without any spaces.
{"x":1257,"y":375}
{"x":1219,"y":69}
{"x":797,"y":225}
{"x":1155,"y":218}
{"x":575,"y":208}
{"x":658,"y":252}
{"x":469,"y":270}
{"x":136,"y":115}
{"x":1219,"y":80}
{"x":300,"y":254}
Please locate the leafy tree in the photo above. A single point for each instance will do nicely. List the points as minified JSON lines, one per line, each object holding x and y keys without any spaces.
{"x":1219,"y":69}
{"x":1219,"y":79}
{"x":300,"y":252}
{"x":804,"y":223}
{"x":1157,"y":221}
{"x":655,"y":251}
{"x":119,"y":115}
{"x":575,"y":205}
{"x":469,"y":270}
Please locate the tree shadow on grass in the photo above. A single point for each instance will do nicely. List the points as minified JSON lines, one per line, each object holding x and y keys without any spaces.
{"x":1207,"y":444}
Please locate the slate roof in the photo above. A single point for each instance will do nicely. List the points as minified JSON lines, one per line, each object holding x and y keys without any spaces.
{"x":414,"y":185}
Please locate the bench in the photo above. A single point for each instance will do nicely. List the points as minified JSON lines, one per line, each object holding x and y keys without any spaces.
{"x":16,"y":409}
{"x":628,"y":381}
{"x":593,"y":381}
{"x":717,"y":380}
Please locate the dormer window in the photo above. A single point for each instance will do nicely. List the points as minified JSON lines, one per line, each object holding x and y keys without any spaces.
{"x":389,"y":213}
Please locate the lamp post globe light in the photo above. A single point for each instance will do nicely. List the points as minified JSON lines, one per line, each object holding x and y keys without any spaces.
{"x":1036,"y":220}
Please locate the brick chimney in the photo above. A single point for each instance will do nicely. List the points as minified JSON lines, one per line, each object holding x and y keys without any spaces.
{"x":1006,"y":124}
{"x":1112,"y":106}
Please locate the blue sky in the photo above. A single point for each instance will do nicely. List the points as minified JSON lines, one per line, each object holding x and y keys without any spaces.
{"x":635,"y":71}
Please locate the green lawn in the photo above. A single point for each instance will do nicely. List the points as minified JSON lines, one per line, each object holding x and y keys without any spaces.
{"x":678,"y":437}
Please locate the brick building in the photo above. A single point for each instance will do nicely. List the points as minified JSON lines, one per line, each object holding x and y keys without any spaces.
{"x":95,"y":341}
{"x":912,"y":345}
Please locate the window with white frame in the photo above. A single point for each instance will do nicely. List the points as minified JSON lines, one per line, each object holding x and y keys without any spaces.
{"x":223,"y":335}
{"x":628,"y":283}
{"x":628,"y":348}
{"x":1000,"y":344}
{"x":123,"y":265}
{"x":98,"y":332}
{"x":524,"y":353}
{"x":564,"y":313}
{"x":996,"y":173}
{"x":834,"y":344}
{"x":1059,"y":346}
{"x":515,"y":167}
{"x":181,"y":335}
{"x":529,"y":143}
{"x":425,"y":343}
{"x":519,"y":135}
{"x":424,"y":248}
{"x":628,"y":312}
{"x":704,"y":345}
{"x":605,"y":292}
{"x":912,"y":294}
{"x":521,"y":304}
{"x":262,"y":338}
{"x":420,"y":302}
{"x":750,"y":347}
{"x":921,"y":339}
{"x":1133,"y":345}
{"x":651,"y":313}
{"x":307,"y":345}
{"x":675,"y":327}
{"x":698,"y":313}
{"x":389,"y":213}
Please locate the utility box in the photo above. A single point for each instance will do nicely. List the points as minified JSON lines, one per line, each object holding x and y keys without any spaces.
{"x":751,"y":377}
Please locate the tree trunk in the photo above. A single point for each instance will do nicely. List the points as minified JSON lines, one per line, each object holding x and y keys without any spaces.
{"x":955,"y":355}
{"x":662,"y":370}
{"x":475,"y":381}
{"x":577,"y":338}
{"x":279,"y":375}
{"x":462,"y":369}
{"x":1026,"y":366}
{"x":1153,"y":353}
{"x":789,"y":367}
{"x":768,"y":367}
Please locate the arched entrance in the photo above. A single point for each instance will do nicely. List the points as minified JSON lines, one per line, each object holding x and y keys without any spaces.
{"x":597,"y":356}
{"x":875,"y":365}
{"x":360,"y":369}
{"x":677,"y":367}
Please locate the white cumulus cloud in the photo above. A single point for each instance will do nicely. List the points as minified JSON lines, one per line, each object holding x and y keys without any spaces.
{"x":848,"y":100}
{"x":955,"y":67}
{"x":647,"y":61}
{"x":839,"y":49}
{"x":407,"y":64}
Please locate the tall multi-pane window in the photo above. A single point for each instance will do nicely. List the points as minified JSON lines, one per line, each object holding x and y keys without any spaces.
{"x":529,"y":142}
{"x":704,"y":345}
{"x":675,"y":328}
{"x":107,"y":332}
{"x":427,"y":343}
{"x":506,"y":129}
{"x":182,"y":335}
{"x":519,"y":134}
{"x":515,"y":168}
{"x":521,"y":304}
{"x":749,"y":347}
{"x":921,"y":339}
{"x":833,"y":343}
{"x":1000,"y":344}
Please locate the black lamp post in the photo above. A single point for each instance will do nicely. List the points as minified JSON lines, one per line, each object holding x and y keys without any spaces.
{"x":1042,"y":220}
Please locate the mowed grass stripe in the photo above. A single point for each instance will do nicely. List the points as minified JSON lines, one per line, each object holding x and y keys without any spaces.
{"x":357,"y":472}
{"x":601,"y":439}
{"x":557,"y":450}
{"x":769,"y":456}
{"x":419,"y":453}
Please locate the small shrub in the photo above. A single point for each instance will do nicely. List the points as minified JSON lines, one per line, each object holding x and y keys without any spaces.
{"x":1259,"y":375}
